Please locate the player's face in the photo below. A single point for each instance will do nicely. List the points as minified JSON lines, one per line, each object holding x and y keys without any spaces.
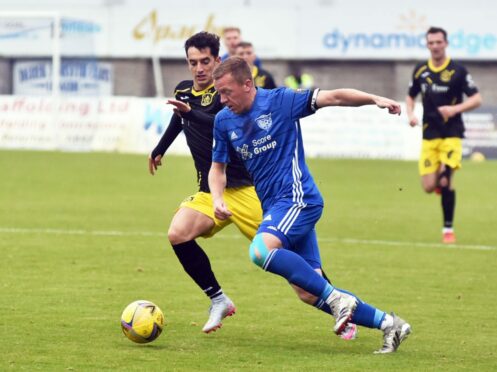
{"x":234,"y":95}
{"x":201,"y":63}
{"x":437,"y":44}
{"x":231,"y":40}
{"x":246,"y":53}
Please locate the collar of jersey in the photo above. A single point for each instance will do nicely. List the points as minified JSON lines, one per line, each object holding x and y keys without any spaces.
{"x":440,"y":68}
{"x":200,"y":92}
{"x":255,"y":71}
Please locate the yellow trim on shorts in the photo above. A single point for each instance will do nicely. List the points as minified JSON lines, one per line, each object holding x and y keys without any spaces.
{"x":439,"y":151}
{"x":241,"y":201}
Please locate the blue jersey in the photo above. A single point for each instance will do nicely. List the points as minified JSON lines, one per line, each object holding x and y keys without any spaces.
{"x":268,"y":139}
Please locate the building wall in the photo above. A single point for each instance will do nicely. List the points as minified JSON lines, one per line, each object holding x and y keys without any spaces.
{"x":387,"y":78}
{"x":134,"y":77}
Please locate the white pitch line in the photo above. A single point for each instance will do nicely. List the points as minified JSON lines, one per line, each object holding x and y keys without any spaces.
{"x":19,"y":230}
{"x":16,"y":230}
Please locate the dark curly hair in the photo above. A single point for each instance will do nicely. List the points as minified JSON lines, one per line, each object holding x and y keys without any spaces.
{"x":203,"y":40}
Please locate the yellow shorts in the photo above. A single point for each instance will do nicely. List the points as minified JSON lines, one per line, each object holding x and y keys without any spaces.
{"x":241,"y":201}
{"x":440,"y":151}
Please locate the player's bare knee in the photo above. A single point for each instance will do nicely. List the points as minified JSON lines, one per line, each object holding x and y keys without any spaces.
{"x":177,"y":236}
{"x":429,"y":188}
{"x":443,"y":182}
{"x":444,"y":179}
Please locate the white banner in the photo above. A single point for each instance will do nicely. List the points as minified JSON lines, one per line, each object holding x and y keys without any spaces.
{"x":365,"y":132}
{"x":481,"y":132}
{"x":385,"y":29}
{"x":136,"y":125}
{"x":77,"y":78}
{"x":82,"y":124}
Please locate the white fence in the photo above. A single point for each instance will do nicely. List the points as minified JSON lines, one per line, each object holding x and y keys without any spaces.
{"x":135,"y":125}
{"x":129,"y":124}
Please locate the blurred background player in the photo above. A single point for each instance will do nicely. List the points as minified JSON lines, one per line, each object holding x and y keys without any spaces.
{"x":196,"y":104}
{"x":298,"y":79}
{"x":262,"y":78}
{"x":232,"y":36}
{"x":263,"y":125}
{"x":442,"y":83}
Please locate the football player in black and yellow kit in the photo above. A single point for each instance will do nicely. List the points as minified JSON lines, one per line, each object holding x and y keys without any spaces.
{"x":195,"y":106}
{"x":262,"y":78}
{"x":442,"y":83}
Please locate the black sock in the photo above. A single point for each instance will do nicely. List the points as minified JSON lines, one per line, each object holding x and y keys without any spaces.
{"x":197,"y":265}
{"x":448,"y":206}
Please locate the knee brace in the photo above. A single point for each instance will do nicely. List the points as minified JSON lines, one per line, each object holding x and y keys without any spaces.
{"x":445,"y":176}
{"x":258,"y":251}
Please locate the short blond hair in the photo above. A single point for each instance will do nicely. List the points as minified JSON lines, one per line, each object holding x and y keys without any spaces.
{"x":237,"y":67}
{"x":231,"y":28}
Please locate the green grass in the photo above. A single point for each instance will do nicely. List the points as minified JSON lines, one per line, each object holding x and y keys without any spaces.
{"x":64,"y":284}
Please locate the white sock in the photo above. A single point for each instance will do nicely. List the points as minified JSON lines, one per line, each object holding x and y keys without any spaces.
{"x":222,"y":297}
{"x":387,"y":322}
{"x":447,"y":230}
{"x":333,"y":295}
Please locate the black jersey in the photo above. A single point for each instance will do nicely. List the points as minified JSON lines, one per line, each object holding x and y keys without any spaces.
{"x":262,"y":78}
{"x":197,"y":126}
{"x":441,"y":86}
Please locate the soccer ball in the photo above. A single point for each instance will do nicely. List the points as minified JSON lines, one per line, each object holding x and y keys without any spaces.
{"x":477,"y":157}
{"x":142,"y":321}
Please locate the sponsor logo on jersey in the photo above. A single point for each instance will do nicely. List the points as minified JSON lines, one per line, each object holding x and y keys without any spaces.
{"x":272,"y":228}
{"x":434,"y":88}
{"x":470,"y":81}
{"x":244,"y":152}
{"x":268,"y":218}
{"x":439,"y":88}
{"x":233,"y":136}
{"x":263,"y":144}
{"x":264,"y":121}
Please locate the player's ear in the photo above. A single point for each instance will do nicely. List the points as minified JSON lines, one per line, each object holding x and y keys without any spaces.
{"x":249,"y":83}
{"x":217,"y":60}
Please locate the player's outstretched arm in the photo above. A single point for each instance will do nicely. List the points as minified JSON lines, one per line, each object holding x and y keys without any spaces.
{"x":217,"y":184}
{"x":185,"y":111}
{"x":179,"y":106}
{"x":354,"y":97}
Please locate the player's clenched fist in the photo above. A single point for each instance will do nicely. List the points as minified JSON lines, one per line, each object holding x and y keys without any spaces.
{"x":221,"y":211}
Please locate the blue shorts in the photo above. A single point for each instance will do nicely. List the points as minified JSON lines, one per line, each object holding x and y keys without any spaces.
{"x":294,"y":225}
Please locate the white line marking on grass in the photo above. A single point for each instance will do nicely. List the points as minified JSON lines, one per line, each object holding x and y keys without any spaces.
{"x":18,"y":230}
{"x":410,"y":244}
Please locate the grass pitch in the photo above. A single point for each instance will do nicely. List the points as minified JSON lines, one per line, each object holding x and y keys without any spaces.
{"x":83,"y":235}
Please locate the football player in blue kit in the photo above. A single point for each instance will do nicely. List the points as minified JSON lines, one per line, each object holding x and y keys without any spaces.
{"x":263,"y":127}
